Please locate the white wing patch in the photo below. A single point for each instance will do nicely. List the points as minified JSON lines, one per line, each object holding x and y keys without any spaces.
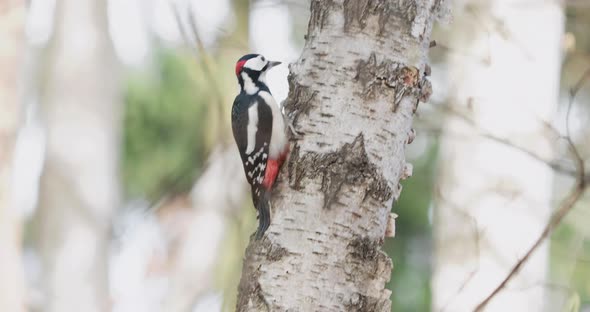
{"x":252,"y":127}
{"x":278,"y":139}
{"x":253,"y":158}
{"x":256,"y":173}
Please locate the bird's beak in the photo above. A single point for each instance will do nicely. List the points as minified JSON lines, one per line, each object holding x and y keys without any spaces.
{"x":272,"y":64}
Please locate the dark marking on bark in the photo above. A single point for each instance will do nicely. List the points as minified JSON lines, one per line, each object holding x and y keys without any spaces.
{"x":352,"y":10}
{"x":300,"y":100}
{"x":366,"y":72}
{"x":249,"y":291}
{"x":358,"y":12}
{"x":253,"y":298}
{"x":391,"y":79}
{"x":441,"y":10}
{"x":411,"y":136}
{"x":366,"y":257}
{"x":363,"y":303}
{"x":275,"y":252}
{"x":292,"y":168}
{"x":373,"y":76}
{"x":425,"y":90}
{"x":384,"y":17}
{"x":364,"y":249}
{"x":408,"y":10}
{"x":319,"y":15}
{"x":349,"y":165}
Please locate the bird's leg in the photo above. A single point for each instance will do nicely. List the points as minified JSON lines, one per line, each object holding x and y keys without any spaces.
{"x":295,"y":135}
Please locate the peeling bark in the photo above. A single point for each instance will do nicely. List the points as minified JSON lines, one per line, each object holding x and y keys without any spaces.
{"x":353,"y":94}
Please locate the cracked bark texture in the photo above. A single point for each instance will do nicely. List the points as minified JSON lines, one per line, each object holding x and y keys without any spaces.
{"x":353,"y":94}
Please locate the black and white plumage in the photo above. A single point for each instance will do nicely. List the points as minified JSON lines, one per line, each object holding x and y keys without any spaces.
{"x":259,"y":132}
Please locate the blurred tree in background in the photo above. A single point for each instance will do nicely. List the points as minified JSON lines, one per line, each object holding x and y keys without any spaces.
{"x":80,"y":107}
{"x":12,"y":43}
{"x":166,"y":127}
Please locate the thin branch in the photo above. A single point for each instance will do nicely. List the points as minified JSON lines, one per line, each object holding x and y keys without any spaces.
{"x":579,"y":160}
{"x":565,"y":207}
{"x":476,"y":233}
{"x":556,"y":166}
{"x":201,"y":53}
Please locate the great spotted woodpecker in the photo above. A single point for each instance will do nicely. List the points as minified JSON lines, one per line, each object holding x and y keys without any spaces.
{"x":259,"y":132}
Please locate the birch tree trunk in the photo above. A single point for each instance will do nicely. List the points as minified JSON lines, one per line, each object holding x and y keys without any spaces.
{"x":79,"y":185}
{"x":495,"y":200}
{"x":353,"y":93}
{"x":12,"y":288}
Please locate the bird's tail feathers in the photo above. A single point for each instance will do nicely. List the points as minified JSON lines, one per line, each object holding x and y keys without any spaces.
{"x":262,"y":203}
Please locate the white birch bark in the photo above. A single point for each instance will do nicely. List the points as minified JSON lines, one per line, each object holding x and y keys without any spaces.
{"x":12,"y":288}
{"x":79,"y":185}
{"x":353,"y":93}
{"x":493,"y":199}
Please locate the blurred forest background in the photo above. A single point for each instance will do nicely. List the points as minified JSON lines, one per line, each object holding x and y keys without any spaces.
{"x":120,"y":185}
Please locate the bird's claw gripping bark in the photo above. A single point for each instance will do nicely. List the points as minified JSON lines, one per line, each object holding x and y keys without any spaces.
{"x":295,"y":135}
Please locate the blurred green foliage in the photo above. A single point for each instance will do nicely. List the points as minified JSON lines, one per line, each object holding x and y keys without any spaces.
{"x":570,"y":257}
{"x":165,"y":128}
{"x":411,"y":249}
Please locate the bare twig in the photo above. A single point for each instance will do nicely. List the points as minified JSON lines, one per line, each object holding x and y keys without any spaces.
{"x":201,"y":53}
{"x":579,"y":160}
{"x":555,"y":165}
{"x":441,"y":198}
{"x":565,"y":207}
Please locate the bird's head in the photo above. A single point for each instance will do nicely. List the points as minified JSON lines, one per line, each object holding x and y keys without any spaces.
{"x":253,"y":67}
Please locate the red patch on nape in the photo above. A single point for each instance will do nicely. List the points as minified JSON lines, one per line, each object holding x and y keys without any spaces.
{"x":239,"y":66}
{"x":272,"y":170}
